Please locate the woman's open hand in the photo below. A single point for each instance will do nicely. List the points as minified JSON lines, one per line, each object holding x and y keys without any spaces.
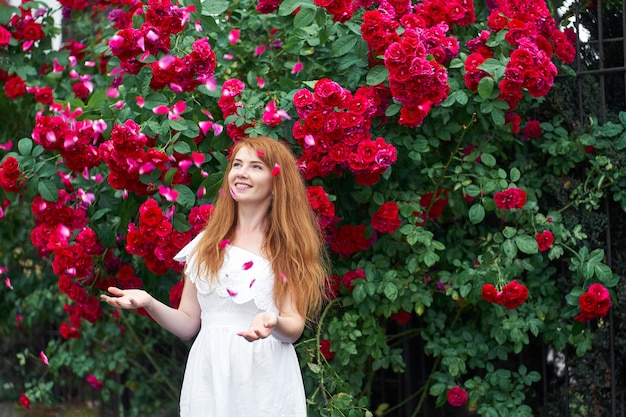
{"x":261,"y":327}
{"x":127,"y":299}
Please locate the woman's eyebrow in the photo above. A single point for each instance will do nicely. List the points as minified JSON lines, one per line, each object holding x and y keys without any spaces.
{"x":253,"y":161}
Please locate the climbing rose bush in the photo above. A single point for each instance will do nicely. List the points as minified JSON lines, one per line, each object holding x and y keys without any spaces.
{"x":415,"y":127}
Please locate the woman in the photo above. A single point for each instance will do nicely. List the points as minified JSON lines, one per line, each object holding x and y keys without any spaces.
{"x":253,"y":278}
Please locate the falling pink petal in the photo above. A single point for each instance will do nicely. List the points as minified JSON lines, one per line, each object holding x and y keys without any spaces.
{"x":169,"y":194}
{"x":184,"y":165}
{"x":170,"y":212}
{"x":198,"y":26}
{"x":205,"y":126}
{"x":276,"y":170}
{"x":201,"y":192}
{"x":231,"y":292}
{"x":297,"y":68}
{"x":206,"y":174}
{"x":233,"y":36}
{"x":7,"y":146}
{"x":210,"y":83}
{"x":247,"y":265}
{"x":119,"y":104}
{"x":7,"y":282}
{"x":44,"y":358}
{"x":140,"y":101}
{"x":197,"y":158}
{"x":177,"y":88}
{"x":229,"y":57}
{"x":113,"y":93}
{"x":179,"y":107}
{"x":260,"y":82}
{"x":259,"y":50}
{"x":161,"y":110}
{"x":90,"y":64}
{"x":58,"y":68}
{"x":3,"y":269}
{"x":146,"y":168}
{"x":18,"y":319}
{"x":283,"y":277}
{"x":166,"y":61}
{"x":260,"y":153}
{"x":224,"y":243}
{"x":309,"y":140}
{"x":217,"y":129}
{"x":233,"y":193}
{"x":252,"y":282}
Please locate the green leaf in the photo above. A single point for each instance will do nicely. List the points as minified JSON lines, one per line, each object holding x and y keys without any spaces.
{"x":344,"y":44}
{"x":485,"y":87}
{"x":287,"y":7}
{"x":527,"y":244}
{"x":25,"y":146}
{"x":377,"y":75}
{"x":304,"y":17}
{"x":476,"y":213}
{"x":515,"y":174}
{"x":182,"y":147}
{"x":610,"y":129}
{"x":48,"y":190}
{"x":105,"y":235}
{"x":487,"y":159}
{"x":390,"y":291}
{"x":214,"y":7}
{"x":509,"y":248}
{"x":212,"y":183}
{"x":180,"y":223}
{"x":97,"y":98}
{"x":186,"y":197}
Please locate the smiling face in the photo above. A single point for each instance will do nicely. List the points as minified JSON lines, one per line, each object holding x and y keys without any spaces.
{"x":250,"y":180}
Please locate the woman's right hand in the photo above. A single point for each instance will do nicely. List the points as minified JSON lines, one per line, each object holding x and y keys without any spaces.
{"x":127,"y":299}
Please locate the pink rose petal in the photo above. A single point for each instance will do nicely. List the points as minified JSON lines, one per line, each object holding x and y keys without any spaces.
{"x":224,"y":243}
{"x":44,"y":358}
{"x":247,"y":265}
{"x":276,"y":170}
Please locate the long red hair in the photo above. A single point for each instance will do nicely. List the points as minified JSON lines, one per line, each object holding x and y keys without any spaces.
{"x":294,"y":243}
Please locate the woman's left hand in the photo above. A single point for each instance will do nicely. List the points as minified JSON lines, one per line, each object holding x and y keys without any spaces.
{"x":261,"y":327}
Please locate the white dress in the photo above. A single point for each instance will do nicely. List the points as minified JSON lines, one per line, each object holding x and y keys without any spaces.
{"x":227,"y":376}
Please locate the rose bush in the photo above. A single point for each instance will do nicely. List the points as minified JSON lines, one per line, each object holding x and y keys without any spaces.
{"x":407,"y":122}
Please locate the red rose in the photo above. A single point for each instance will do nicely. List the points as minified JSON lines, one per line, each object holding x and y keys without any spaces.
{"x":511,"y":198}
{"x":457,"y":396}
{"x":5,"y":36}
{"x":44,"y":95}
{"x":545,"y":240}
{"x":24,"y":401}
{"x":401,"y":316}
{"x":532,"y":129}
{"x":490,"y":294}
{"x":386,"y":219}
{"x":514,"y":294}
{"x":176,"y":293}
{"x":350,"y":276}
{"x":68,"y":332}
{"x":15,"y":87}
{"x":325,"y":349}
{"x":32,"y":31}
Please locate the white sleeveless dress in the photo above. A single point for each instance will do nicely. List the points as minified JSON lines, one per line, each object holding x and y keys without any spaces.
{"x":227,"y":376}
